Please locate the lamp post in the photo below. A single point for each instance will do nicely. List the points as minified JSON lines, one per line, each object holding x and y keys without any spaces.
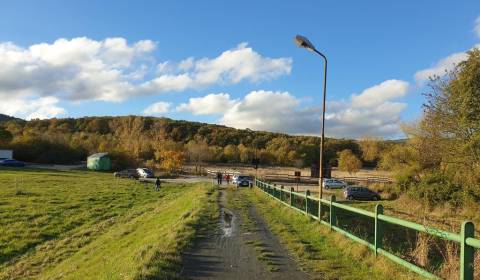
{"x":303,"y":42}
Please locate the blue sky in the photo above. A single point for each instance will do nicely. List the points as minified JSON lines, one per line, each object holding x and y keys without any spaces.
{"x":243,"y":71}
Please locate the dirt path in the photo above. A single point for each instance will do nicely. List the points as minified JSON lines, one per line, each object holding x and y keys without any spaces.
{"x":240,"y":247}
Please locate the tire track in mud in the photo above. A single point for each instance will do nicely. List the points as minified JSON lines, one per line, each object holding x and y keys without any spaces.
{"x":238,"y":248}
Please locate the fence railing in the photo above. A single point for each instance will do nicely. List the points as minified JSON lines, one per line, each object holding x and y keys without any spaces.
{"x":310,"y":180}
{"x":313,"y":207}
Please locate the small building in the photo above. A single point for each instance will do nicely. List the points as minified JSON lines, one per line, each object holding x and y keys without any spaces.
{"x":99,"y":162}
{"x":6,"y":154}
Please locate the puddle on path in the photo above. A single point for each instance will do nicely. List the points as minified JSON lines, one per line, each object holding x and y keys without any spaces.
{"x":227,"y":222}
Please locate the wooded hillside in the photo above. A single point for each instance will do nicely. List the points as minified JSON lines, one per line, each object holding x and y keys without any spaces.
{"x":138,"y":139}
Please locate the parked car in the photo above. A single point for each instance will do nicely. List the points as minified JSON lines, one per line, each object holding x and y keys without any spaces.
{"x":127,"y":173}
{"x":333,"y":184}
{"x":12,"y":163}
{"x":244,"y":181}
{"x":145,"y":173}
{"x":361,"y":193}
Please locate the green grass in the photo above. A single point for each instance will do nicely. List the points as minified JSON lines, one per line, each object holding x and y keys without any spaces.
{"x":87,"y":225}
{"x":327,"y":255}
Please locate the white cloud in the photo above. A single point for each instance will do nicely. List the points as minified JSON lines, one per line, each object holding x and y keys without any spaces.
{"x":113,"y":70}
{"x":158,"y":108}
{"x":76,"y":69}
{"x":379,"y":94}
{"x":476,"y":28}
{"x":272,"y":111}
{"x":443,"y":66}
{"x":231,"y":67}
{"x":372,"y":112}
{"x":40,"y":108}
{"x":209,"y":104}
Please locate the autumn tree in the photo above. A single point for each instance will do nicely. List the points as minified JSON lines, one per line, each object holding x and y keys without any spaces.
{"x":349,"y":162}
{"x":198,"y":152}
{"x":5,"y":136}
{"x":171,"y":161}
{"x":370,"y":148}
{"x":231,"y":153}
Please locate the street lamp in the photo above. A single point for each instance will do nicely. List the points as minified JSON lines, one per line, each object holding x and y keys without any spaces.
{"x":303,"y":42}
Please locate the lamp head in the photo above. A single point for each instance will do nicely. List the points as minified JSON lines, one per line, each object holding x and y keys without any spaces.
{"x":303,"y":42}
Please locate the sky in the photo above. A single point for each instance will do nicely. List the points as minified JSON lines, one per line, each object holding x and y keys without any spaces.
{"x":232,"y":62}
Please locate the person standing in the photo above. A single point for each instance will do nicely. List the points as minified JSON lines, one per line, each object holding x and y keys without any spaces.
{"x":219,"y":178}
{"x":227,"y":178}
{"x":157,"y":184}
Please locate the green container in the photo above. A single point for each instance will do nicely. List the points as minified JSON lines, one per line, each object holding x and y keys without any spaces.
{"x":99,"y":162}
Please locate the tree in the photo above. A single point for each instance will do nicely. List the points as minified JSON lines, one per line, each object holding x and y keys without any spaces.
{"x":198,"y":152}
{"x":231,"y":153}
{"x":370,"y":148}
{"x":349,"y":162}
{"x":451,"y":124}
{"x":171,"y":161}
{"x":5,"y":136}
{"x":246,"y":154}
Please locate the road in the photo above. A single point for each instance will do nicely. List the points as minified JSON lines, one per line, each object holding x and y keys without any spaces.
{"x":234,"y":251}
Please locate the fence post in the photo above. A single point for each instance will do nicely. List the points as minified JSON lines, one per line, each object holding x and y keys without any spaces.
{"x":378,"y":228}
{"x":466,"y":252}
{"x":291,"y":196}
{"x":319,"y":209}
{"x":281,"y":193}
{"x":307,"y":194}
{"x":333,"y":215}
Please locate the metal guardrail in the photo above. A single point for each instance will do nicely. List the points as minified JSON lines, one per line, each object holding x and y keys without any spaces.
{"x":303,"y":203}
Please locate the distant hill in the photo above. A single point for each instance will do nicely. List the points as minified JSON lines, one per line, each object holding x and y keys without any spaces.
{"x":7,"y":118}
{"x":140,"y":139}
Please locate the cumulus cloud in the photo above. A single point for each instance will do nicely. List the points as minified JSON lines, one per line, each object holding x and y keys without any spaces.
{"x":76,"y":69}
{"x":443,"y":66}
{"x":379,"y":94}
{"x":372,"y":112}
{"x":158,"y":108}
{"x":114,"y":70}
{"x":230,"y":67}
{"x":210,"y":104}
{"x":272,"y":111}
{"x":40,"y":108}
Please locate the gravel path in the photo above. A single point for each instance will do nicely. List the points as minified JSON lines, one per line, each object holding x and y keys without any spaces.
{"x":229,"y":251}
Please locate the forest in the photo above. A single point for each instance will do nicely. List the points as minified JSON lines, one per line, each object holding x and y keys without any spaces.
{"x":133,"y":140}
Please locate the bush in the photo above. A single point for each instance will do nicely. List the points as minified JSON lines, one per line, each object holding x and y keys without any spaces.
{"x":437,"y":188}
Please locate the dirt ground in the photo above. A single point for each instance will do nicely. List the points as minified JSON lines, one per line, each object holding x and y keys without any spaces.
{"x":236,"y":250}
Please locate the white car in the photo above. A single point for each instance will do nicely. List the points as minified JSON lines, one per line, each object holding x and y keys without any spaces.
{"x":144,"y":173}
{"x":333,"y":184}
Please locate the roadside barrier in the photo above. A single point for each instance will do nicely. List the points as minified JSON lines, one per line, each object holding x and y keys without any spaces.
{"x":310,"y":206}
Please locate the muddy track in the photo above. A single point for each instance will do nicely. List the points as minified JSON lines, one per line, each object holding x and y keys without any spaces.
{"x":237,"y":250}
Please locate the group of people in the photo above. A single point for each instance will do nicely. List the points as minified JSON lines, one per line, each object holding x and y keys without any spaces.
{"x":220,"y":178}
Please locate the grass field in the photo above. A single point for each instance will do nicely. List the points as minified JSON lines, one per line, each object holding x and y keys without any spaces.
{"x":86,"y":225}
{"x":326,"y":254}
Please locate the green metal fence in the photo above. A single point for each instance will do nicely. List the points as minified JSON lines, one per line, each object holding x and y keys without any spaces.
{"x":310,"y":206}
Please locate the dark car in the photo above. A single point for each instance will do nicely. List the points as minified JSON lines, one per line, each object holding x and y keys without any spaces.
{"x":361,"y":193}
{"x":11,"y":163}
{"x":127,"y":173}
{"x":244,"y":181}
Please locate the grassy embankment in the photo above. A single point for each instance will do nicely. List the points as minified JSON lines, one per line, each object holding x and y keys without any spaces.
{"x":86,"y":225}
{"x":324,"y":254}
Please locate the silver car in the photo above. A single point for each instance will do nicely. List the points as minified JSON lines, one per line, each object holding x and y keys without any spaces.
{"x":333,"y":184}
